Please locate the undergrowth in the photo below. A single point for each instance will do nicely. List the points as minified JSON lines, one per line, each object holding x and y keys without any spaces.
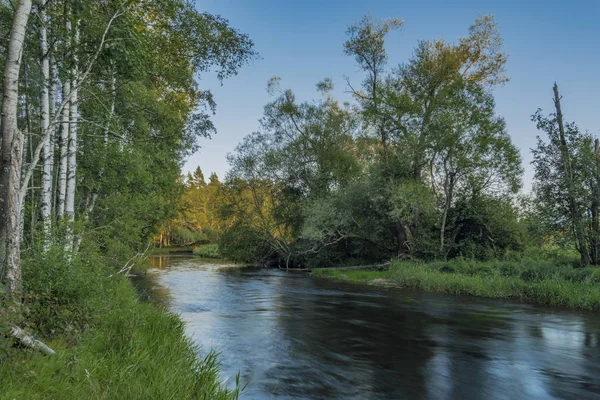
{"x":109,"y":344}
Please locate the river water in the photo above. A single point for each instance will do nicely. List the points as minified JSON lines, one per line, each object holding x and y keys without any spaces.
{"x":296,"y":337}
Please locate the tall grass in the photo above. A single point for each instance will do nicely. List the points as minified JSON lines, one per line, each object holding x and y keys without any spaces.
{"x":538,"y":281}
{"x":114,"y":346}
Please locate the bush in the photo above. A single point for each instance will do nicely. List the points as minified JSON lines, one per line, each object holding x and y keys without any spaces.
{"x":243,"y":244}
{"x":60,"y":294}
{"x":207,"y":251}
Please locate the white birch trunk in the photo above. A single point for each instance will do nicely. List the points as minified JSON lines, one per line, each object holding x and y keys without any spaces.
{"x":11,"y":154}
{"x":72,"y":150}
{"x":48,"y":153}
{"x":53,"y":130}
{"x":64,"y":132}
{"x":64,"y":146}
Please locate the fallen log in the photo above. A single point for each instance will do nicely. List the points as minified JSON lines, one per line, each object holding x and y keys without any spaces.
{"x":29,"y":341}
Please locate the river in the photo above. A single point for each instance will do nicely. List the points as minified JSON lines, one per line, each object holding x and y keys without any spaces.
{"x":297,"y":337}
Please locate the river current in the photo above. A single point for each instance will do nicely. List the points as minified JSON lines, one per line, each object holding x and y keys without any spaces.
{"x":292,"y":336}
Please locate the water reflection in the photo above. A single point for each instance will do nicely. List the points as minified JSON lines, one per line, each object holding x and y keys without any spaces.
{"x":297,"y":337}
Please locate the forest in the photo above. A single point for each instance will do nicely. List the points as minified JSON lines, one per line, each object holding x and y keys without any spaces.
{"x":102,"y":103}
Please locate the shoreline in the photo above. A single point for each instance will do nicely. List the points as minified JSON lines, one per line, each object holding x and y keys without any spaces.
{"x":528,"y":281}
{"x":114,"y":355}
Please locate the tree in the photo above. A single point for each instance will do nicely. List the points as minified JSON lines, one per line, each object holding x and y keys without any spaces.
{"x":11,"y":153}
{"x":566,"y":183}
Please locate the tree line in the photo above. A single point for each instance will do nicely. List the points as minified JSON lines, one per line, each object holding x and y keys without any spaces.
{"x":418,"y":166}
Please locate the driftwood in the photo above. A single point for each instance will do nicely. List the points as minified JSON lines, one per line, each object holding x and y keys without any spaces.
{"x":29,"y":341}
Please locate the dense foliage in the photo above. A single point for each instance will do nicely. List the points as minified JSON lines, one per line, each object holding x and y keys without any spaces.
{"x":418,"y":166}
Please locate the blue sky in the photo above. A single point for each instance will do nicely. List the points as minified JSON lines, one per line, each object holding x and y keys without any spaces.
{"x":301,"y":42}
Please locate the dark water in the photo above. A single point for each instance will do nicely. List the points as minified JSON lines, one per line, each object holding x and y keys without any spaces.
{"x":296,"y":337}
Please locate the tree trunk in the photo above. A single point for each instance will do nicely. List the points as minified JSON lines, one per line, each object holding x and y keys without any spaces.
{"x":566,"y":160}
{"x":449,"y":192}
{"x":64,"y":146}
{"x":72,"y":150}
{"x":30,"y":341}
{"x":10,"y":154}
{"x":48,"y":153}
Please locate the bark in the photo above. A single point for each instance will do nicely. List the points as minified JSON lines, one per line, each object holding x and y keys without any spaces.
{"x":449,"y":192}
{"x":64,"y":143}
{"x":566,"y":161}
{"x":48,"y":153}
{"x":72,"y":149}
{"x":65,"y":132}
{"x":52,"y":133}
{"x":12,"y":268}
{"x":10,"y":154}
{"x":30,"y":341}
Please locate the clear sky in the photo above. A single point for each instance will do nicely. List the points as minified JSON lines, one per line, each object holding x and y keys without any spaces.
{"x":302,"y":42}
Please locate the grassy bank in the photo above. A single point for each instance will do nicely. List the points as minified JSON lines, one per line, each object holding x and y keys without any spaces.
{"x":542,"y":282}
{"x":207,"y":251}
{"x":109,"y":344}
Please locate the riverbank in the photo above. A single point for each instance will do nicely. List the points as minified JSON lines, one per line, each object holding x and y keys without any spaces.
{"x":541,"y":282}
{"x":203,"y":250}
{"x":109,"y":344}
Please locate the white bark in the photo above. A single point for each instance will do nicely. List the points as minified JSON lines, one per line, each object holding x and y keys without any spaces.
{"x":52,"y":132}
{"x":48,"y":153}
{"x":64,"y":146}
{"x":11,"y":152}
{"x":72,"y":150}
{"x":30,"y":341}
{"x":64,"y":135}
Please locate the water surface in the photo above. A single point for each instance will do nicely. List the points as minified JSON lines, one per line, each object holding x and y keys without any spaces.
{"x":297,"y":337}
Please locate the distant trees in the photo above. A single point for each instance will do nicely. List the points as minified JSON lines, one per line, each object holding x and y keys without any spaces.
{"x":196,"y":217}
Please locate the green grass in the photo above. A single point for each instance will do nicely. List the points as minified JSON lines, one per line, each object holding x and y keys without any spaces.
{"x":110,"y":346}
{"x":542,"y":282}
{"x":207,"y":251}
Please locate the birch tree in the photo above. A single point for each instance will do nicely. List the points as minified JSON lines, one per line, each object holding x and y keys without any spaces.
{"x":45,"y":107}
{"x":11,"y":154}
